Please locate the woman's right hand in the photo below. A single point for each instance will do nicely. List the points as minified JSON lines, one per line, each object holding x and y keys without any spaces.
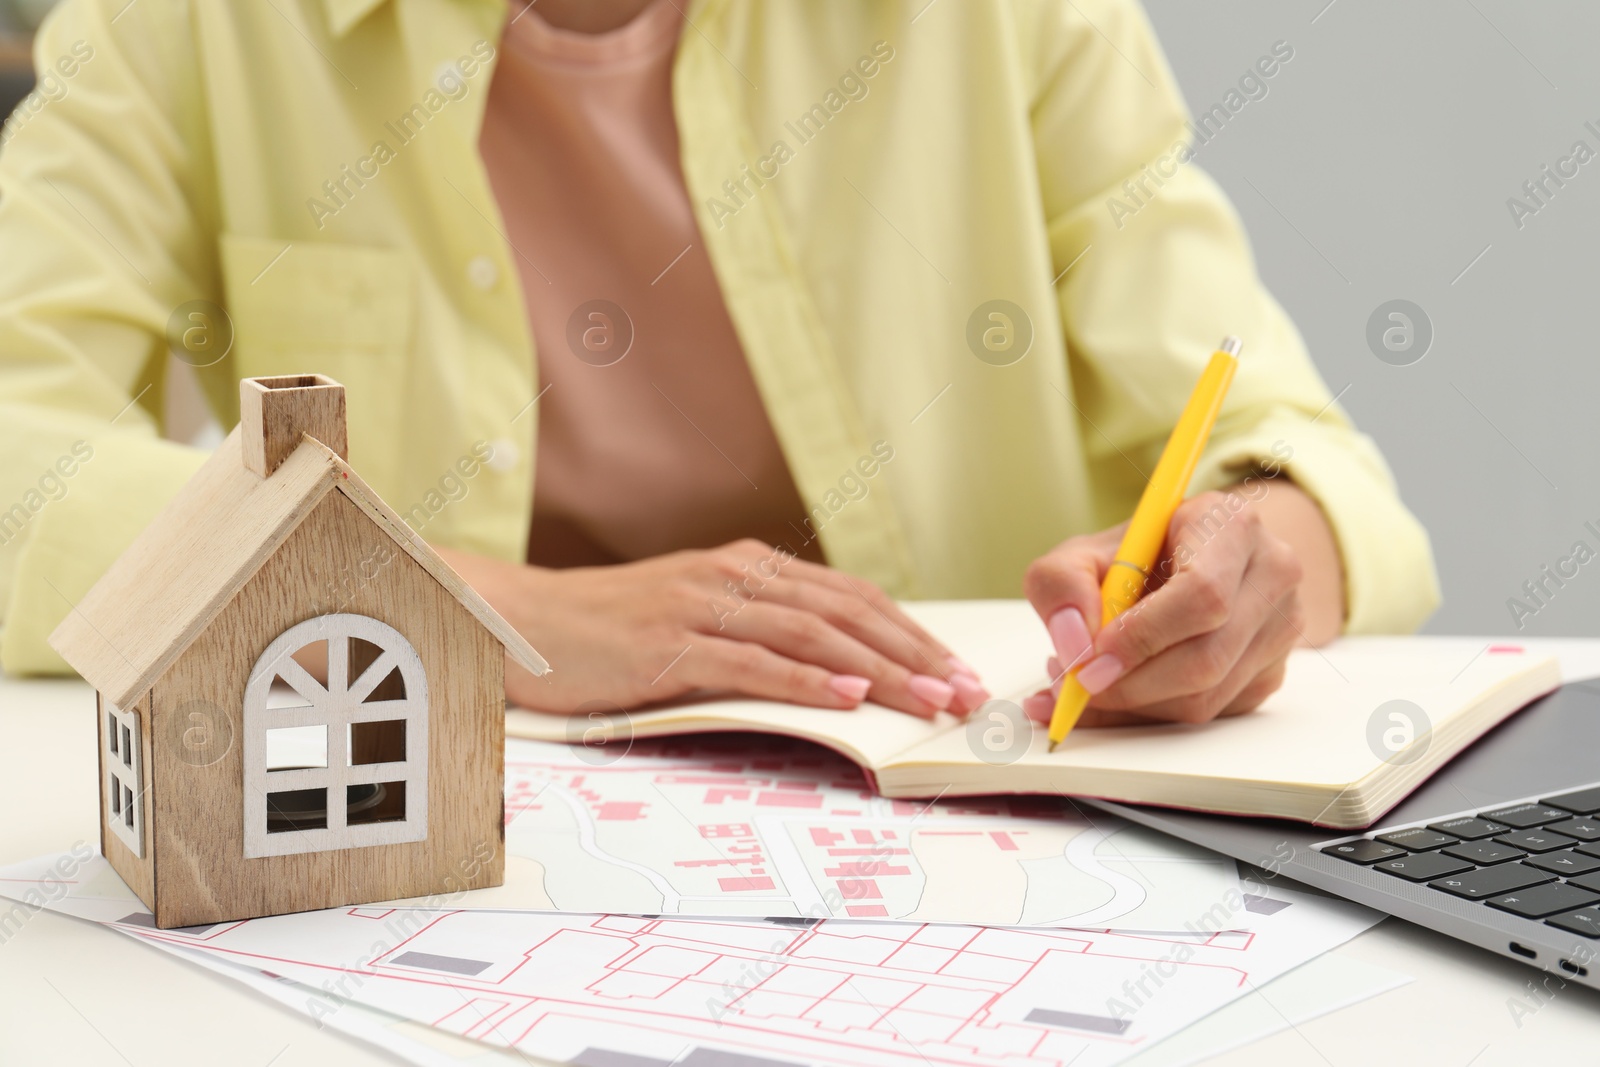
{"x":744,"y":618}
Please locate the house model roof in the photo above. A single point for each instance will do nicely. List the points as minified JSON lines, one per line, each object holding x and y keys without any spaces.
{"x":186,"y":565}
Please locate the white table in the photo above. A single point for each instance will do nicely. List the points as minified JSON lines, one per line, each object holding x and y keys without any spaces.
{"x":74,"y":993}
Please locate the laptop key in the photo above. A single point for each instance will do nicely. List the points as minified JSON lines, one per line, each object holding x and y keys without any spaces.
{"x":1590,"y":881}
{"x":1525,"y":815}
{"x":1492,"y":881}
{"x":1536,"y":840}
{"x":1536,"y":902}
{"x":1469,"y":828}
{"x":1582,"y":801}
{"x":1417,"y":839}
{"x":1568,"y":862}
{"x":1585,"y":921}
{"x":1364,"y":851}
{"x":1425,"y":866}
{"x":1484,"y":853}
{"x":1584,"y":829}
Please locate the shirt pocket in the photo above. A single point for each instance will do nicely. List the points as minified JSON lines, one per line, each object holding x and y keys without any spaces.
{"x":317,"y":307}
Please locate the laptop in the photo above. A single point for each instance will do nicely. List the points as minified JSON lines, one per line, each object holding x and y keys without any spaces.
{"x":1500,"y":848}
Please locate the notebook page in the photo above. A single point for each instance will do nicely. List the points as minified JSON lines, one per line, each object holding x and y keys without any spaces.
{"x":1331,"y":724}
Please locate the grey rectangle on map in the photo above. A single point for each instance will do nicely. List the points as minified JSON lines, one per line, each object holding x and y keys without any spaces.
{"x":1264,"y":905}
{"x":429,"y":962}
{"x":716,"y":1057}
{"x":604,"y":1057}
{"x":145,"y":919}
{"x":1072,"y":1020}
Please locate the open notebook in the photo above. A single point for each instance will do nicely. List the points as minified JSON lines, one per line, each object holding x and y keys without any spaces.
{"x":1340,"y":744}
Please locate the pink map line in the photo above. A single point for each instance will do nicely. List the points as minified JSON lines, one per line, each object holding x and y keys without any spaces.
{"x":799,"y":939}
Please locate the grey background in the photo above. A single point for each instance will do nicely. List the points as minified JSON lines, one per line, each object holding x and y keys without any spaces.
{"x":1385,"y":152}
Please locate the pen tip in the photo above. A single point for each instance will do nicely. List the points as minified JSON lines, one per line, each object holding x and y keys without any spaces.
{"x":1052,"y":747}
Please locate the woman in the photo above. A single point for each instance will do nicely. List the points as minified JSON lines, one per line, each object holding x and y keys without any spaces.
{"x":831,"y":304}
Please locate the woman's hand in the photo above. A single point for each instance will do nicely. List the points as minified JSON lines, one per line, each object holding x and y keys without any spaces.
{"x":1212,"y":634}
{"x":745,"y":618}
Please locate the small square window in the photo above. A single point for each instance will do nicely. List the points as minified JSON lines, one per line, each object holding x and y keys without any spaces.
{"x":111,"y":732}
{"x":296,"y":747}
{"x":127,"y":806}
{"x":377,"y":742}
{"x":127,"y":748}
{"x":384,"y":802}
{"x":297,"y":809}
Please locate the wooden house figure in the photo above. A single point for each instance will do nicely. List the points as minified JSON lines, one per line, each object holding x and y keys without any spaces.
{"x":300,"y":704}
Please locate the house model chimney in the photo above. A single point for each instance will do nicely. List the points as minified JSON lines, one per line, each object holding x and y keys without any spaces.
{"x":275,"y":412}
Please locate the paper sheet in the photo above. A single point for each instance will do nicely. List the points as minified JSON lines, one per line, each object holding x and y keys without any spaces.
{"x":742,"y":825}
{"x":1326,"y":984}
{"x":594,"y":989}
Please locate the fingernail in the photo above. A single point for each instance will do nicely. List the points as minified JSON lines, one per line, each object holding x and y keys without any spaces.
{"x":1098,"y":674}
{"x":1052,"y":666}
{"x":1039,"y":707}
{"x":852,"y":687}
{"x":970,"y":690}
{"x":932,"y":691}
{"x":1069,"y":634}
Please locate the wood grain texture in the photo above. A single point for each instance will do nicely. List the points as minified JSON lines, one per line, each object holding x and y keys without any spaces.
{"x":176,"y":576}
{"x":516,"y":646}
{"x":179,"y":572}
{"x":275,"y":413}
{"x":138,"y":873}
{"x":195,"y":823}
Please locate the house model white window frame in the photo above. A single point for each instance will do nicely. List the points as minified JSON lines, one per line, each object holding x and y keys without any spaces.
{"x":337,"y":705}
{"x":124,"y":771}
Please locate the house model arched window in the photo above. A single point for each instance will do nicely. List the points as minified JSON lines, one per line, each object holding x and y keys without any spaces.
{"x":300,"y":704}
{"x":351,"y":764}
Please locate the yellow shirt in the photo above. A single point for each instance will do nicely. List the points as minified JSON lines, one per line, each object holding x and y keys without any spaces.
{"x":866,"y":186}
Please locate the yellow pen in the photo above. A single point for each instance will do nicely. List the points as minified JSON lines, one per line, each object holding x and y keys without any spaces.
{"x":1147,"y":531}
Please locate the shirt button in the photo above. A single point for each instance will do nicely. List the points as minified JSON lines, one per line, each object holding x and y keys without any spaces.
{"x":504,"y":455}
{"x":482,"y":272}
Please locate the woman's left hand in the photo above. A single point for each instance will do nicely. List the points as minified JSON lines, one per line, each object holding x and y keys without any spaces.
{"x":1212,"y":639}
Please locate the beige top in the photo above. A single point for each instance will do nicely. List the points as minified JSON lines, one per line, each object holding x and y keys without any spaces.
{"x":652,"y":436}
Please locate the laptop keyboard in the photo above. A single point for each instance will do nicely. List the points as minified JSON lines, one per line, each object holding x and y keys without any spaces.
{"x":1539,"y":859}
